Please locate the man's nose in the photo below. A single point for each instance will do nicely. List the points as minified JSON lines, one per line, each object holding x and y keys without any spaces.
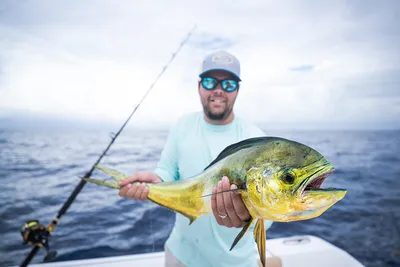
{"x":218,"y":89}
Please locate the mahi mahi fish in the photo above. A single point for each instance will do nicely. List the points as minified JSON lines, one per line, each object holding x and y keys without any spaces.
{"x":278,"y":180}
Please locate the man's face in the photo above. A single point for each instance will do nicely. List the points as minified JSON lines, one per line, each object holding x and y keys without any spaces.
{"x":217,"y":103}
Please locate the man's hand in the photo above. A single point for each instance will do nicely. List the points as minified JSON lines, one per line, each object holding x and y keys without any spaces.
{"x":139,"y":190}
{"x":228,"y":207}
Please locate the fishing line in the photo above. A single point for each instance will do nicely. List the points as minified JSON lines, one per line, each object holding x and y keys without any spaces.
{"x":41,"y":237}
{"x":230,"y":190}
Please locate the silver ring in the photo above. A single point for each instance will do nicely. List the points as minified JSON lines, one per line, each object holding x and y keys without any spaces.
{"x":222,"y":216}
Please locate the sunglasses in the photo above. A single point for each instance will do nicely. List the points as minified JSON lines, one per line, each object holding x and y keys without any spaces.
{"x":210,"y":83}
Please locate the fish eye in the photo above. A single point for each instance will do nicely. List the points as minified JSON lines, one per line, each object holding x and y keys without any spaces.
{"x":288,"y":178}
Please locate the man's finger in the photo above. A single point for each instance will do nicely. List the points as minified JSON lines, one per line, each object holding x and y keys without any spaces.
{"x":128,"y":180}
{"x":221,"y":206}
{"x":240,"y":207}
{"x":214,"y":206}
{"x":220,"y":200}
{"x":229,"y":208}
{"x":122,"y":192}
{"x":139,"y":190}
{"x":132,"y":191}
{"x":143,"y":195}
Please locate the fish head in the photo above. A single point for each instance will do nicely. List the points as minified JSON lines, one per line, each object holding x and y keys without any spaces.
{"x":285,"y":182}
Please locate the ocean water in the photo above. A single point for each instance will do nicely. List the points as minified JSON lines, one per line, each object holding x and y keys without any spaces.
{"x":39,"y":168}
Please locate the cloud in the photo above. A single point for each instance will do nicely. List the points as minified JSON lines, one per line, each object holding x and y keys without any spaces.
{"x":308,"y":62}
{"x":1,"y":67}
{"x":211,"y":42}
{"x":302,"y":68}
{"x":378,"y":85}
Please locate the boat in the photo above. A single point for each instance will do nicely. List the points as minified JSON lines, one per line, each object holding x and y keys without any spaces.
{"x":293,"y":251}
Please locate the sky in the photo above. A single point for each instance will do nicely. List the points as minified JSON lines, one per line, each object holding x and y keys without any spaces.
{"x":304,"y":64}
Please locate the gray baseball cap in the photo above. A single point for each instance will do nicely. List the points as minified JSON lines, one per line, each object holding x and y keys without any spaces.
{"x":221,"y":60}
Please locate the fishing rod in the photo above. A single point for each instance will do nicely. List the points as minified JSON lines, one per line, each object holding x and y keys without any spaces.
{"x":35,"y":233}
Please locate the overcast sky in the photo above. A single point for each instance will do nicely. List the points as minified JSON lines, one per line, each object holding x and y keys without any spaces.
{"x":318,"y":63}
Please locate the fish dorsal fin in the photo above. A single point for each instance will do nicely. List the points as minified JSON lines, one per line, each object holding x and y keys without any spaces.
{"x":231,"y":149}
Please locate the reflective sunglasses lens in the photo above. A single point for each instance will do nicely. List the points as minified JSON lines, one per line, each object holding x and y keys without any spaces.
{"x":229,"y":85}
{"x":209,"y":83}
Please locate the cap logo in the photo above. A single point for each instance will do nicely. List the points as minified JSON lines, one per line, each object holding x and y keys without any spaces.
{"x":222,"y":59}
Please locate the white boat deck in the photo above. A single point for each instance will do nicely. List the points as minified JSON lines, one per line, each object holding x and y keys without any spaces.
{"x":295,"y":251}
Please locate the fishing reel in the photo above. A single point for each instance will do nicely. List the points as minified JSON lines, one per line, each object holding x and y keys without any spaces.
{"x":34,"y":233}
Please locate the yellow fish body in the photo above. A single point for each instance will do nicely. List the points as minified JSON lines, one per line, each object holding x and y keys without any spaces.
{"x":278,"y":180}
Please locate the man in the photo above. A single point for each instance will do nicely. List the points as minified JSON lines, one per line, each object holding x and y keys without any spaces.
{"x":193,"y":142}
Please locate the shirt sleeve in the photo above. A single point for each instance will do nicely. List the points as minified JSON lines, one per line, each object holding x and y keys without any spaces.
{"x":167,"y":166}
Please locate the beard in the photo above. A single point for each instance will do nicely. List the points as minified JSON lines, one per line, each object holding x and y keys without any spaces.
{"x":216,"y":116}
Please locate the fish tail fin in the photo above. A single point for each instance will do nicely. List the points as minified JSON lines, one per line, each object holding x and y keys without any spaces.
{"x":242,"y":233}
{"x":116,"y":175}
{"x":260,"y":238}
{"x":111,"y":184}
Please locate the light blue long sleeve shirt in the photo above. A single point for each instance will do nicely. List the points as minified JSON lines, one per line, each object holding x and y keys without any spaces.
{"x":191,"y":145}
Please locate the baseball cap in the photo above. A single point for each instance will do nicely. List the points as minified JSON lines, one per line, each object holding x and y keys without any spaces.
{"x":221,"y":60}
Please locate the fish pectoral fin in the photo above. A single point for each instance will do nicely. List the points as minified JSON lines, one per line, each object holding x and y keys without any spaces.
{"x":116,"y":175}
{"x":191,"y":218}
{"x":110,"y":183}
{"x":241,"y":234}
{"x":260,"y":236}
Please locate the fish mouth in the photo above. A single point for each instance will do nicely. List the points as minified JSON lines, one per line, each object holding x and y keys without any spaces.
{"x":315,"y":180}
